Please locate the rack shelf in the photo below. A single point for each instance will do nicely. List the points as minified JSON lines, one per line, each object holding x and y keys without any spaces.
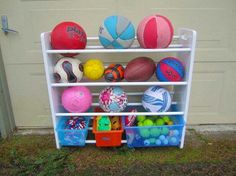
{"x":183,"y":45}
{"x":119,"y":84}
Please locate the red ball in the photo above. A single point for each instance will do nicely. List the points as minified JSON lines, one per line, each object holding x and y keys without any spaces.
{"x":140,"y":69}
{"x":155,"y":31}
{"x":68,"y":35}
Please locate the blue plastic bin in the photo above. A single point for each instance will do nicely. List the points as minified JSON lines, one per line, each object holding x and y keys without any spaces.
{"x":155,"y":136}
{"x":71,"y":137}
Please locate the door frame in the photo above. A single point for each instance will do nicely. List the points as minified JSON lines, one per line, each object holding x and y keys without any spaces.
{"x":7,"y":122}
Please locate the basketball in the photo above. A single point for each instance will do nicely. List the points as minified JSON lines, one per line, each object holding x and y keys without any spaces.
{"x":156,"y":99}
{"x":170,"y":69}
{"x":68,"y":70}
{"x":68,"y":35}
{"x":155,"y":31}
{"x":140,"y":69}
{"x":76,"y":99}
{"x":116,"y":32}
{"x":114,"y":73}
{"x":113,"y":99}
{"x":93,"y":69}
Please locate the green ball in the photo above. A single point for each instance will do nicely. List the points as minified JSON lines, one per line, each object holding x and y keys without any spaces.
{"x":140,"y":123}
{"x":152,"y":140}
{"x":155,"y":132}
{"x":147,"y":122}
{"x":166,"y":119}
{"x":141,"y":118}
{"x":160,"y":122}
{"x":144,"y":133}
{"x":165,"y":131}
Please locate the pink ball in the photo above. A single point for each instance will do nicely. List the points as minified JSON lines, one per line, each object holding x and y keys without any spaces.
{"x":155,"y":31}
{"x":76,"y":99}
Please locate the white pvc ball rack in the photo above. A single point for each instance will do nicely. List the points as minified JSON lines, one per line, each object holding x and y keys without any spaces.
{"x":183,"y":45}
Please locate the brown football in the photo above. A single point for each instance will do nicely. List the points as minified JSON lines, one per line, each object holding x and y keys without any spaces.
{"x":140,"y":69}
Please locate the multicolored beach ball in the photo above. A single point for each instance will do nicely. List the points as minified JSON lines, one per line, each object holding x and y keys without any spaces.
{"x":114,"y":73}
{"x":116,"y":32}
{"x":170,"y":69}
{"x":156,"y":99}
{"x":113,"y":99}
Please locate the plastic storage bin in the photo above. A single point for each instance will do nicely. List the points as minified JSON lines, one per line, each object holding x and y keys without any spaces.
{"x":155,"y":136}
{"x":107,"y":138}
{"x":71,"y":137}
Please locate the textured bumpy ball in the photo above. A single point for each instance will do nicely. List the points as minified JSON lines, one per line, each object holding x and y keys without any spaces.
{"x":113,"y":99}
{"x":140,"y":69}
{"x":155,"y":31}
{"x":116,"y":32}
{"x":76,"y":99}
{"x":93,"y":69}
{"x":114,"y":73}
{"x":115,"y":123}
{"x":156,"y":99}
{"x":170,"y":69}
{"x":68,"y":70}
{"x":68,"y":35}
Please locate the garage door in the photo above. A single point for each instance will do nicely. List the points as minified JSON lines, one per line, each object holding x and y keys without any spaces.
{"x":214,"y":83}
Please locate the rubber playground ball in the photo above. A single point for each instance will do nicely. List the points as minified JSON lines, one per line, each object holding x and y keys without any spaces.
{"x":68,"y":35}
{"x":155,"y":31}
{"x":170,"y":69}
{"x":93,"y":69}
{"x":76,"y":99}
{"x":156,"y":99}
{"x":113,"y":99}
{"x":116,"y":32}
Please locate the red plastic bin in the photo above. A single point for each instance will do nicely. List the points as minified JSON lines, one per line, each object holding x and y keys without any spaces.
{"x":107,"y":138}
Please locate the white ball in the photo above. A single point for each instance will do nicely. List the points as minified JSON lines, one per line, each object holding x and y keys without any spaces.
{"x":156,"y":99}
{"x":68,"y":70}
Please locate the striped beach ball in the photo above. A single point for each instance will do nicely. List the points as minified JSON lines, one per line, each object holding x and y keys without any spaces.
{"x":116,"y":32}
{"x":155,"y":31}
{"x":170,"y":69}
{"x":156,"y":99}
{"x":113,"y":99}
{"x":114,"y":73}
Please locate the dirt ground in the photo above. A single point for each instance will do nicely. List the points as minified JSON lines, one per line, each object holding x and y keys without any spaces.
{"x":211,"y":153}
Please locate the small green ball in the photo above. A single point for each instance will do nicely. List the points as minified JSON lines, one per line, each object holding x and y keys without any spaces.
{"x":147,"y":122}
{"x":165,"y":131}
{"x":155,"y":132}
{"x":166,"y":119}
{"x":140,"y":123}
{"x":141,"y":118}
{"x":160,"y":122}
{"x":152,"y":140}
{"x":144,"y":133}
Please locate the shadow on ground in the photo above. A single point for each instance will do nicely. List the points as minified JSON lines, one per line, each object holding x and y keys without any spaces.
{"x":203,"y":154}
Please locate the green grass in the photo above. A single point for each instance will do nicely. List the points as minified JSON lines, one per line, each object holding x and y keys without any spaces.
{"x":37,"y":155}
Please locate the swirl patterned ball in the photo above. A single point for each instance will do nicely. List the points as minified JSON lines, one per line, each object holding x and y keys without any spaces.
{"x":156,"y":99}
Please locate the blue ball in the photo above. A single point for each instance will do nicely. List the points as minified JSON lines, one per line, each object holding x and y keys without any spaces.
{"x":146,"y":142}
{"x":170,"y":69}
{"x":162,"y":137}
{"x":173,"y":140}
{"x":116,"y":32}
{"x":158,"y":142}
{"x":175,"y":133}
{"x":165,"y":141}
